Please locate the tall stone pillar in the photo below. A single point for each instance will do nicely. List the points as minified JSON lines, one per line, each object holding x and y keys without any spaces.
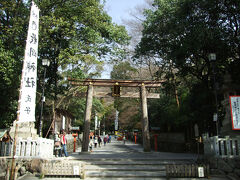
{"x":87,"y":118}
{"x":145,"y":126}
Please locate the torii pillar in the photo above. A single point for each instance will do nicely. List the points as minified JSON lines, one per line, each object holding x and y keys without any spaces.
{"x":145,"y":126}
{"x":87,"y":118}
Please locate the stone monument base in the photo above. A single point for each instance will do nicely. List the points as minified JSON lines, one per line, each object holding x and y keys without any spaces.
{"x":25,"y":130}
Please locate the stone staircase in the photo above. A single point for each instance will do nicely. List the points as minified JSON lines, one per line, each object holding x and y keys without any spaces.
{"x":127,"y":168}
{"x":118,"y":161}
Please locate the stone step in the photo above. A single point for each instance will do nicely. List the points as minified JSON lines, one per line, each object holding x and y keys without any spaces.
{"x":133,"y":162}
{"x":132,"y":168}
{"x":125,"y":168}
{"x":125,"y":174}
{"x":134,"y":159}
{"x":148,"y":178}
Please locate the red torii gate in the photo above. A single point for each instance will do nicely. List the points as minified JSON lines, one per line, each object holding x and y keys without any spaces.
{"x":141,"y":84}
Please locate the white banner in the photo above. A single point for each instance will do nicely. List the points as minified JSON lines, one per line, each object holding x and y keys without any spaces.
{"x":29,"y":72}
{"x":63,"y":122}
{"x":235,"y":111}
{"x":96,"y":122}
{"x":116,"y":121}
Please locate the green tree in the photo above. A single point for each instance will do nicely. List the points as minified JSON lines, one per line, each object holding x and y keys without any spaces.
{"x":187,"y":31}
{"x":128,"y":107}
{"x":184,"y":33}
{"x":74,"y":35}
{"x":13,"y":24}
{"x":123,"y":71}
{"x":81,"y":35}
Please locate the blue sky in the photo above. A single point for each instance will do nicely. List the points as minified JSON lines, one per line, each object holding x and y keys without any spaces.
{"x":119,"y":9}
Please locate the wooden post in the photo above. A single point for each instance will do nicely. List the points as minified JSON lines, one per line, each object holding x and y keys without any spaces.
{"x":87,"y":118}
{"x":14,"y":150}
{"x":155,"y":142}
{"x":74,"y":144}
{"x":145,"y":128}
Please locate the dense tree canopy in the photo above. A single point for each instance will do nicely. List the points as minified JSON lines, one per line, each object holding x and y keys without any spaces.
{"x":129,"y":108}
{"x":180,"y":34}
{"x":187,"y":31}
{"x":76,"y":36}
{"x":123,"y":70}
{"x":13,"y":25}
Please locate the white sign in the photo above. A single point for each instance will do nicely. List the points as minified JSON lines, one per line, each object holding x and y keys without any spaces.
{"x":235,"y":111}
{"x":76,"y":170}
{"x":116,"y":121}
{"x":96,"y":122}
{"x":75,"y":128}
{"x":29,"y":72}
{"x":63,"y":122}
{"x":200,"y":172}
{"x":215,"y":117}
{"x":99,"y":123}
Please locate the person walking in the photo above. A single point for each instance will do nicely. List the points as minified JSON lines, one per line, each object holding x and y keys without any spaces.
{"x":105,"y":140}
{"x":124,"y":139}
{"x":90,"y":143}
{"x":99,"y":141}
{"x":95,"y":142}
{"x":64,"y":143}
{"x":57,"y":145}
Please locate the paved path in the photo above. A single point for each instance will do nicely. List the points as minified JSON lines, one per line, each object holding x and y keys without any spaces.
{"x":116,"y":149}
{"x":123,"y":152}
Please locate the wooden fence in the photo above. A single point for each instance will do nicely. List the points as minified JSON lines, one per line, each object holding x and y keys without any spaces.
{"x":5,"y":148}
{"x":224,"y":147}
{"x":27,"y":148}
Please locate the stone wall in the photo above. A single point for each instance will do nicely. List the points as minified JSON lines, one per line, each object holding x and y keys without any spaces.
{"x":169,"y":142}
{"x":228,"y":167}
{"x":23,"y":166}
{"x":166,"y":142}
{"x":3,"y":168}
